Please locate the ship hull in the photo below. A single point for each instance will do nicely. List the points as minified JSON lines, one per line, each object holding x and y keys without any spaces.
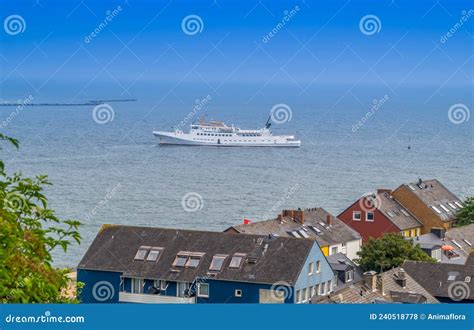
{"x":167,"y":138}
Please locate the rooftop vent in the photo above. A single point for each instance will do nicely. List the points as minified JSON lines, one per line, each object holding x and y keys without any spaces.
{"x":251,"y":260}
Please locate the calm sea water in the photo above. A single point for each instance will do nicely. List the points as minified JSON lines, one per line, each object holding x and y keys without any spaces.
{"x":117,"y":173}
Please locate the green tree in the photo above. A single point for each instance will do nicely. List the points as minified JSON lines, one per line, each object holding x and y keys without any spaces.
{"x":29,"y":232}
{"x":465,"y":216}
{"x":388,"y":252}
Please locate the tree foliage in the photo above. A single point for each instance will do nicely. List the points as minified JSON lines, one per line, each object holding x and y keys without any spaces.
{"x":29,"y":232}
{"x":465,"y":216}
{"x":388,"y":252}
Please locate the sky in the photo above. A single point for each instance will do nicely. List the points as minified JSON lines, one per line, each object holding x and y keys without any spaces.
{"x":321,"y":42}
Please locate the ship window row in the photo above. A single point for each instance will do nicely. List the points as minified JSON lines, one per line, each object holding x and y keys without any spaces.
{"x":250,"y":134}
{"x":216,"y":134}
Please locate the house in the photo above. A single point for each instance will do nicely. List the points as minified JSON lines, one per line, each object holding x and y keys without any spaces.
{"x":157,"y":265}
{"x":448,"y":282}
{"x":448,"y":246}
{"x":332,"y":235}
{"x":430,"y":202}
{"x":346,"y":272}
{"x":376,"y":214}
{"x":393,"y":286}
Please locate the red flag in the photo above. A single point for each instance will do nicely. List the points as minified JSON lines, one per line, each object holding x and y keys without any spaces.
{"x":246,"y":221}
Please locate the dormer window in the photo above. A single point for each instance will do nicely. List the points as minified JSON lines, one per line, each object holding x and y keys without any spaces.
{"x":349,"y":275}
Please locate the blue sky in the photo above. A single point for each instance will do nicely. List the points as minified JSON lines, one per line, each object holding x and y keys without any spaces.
{"x":321,"y":44}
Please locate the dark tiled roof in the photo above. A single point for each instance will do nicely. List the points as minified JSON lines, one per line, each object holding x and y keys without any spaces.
{"x":339,"y":262}
{"x":395,"y":212}
{"x":434,"y":277}
{"x":434,"y":193}
{"x":337,"y":233}
{"x":114,"y":249}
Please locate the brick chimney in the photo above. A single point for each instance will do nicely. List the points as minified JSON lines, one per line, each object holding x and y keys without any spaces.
{"x":280,"y":218}
{"x":401,"y":278}
{"x":370,"y":279}
{"x":329,"y":219}
{"x":298,"y":216}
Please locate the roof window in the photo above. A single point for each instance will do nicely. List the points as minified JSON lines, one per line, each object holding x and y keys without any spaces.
{"x":141,"y":253}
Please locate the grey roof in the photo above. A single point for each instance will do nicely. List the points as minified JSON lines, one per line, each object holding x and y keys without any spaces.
{"x":464,"y":236}
{"x":115,"y":246}
{"x":395,"y":212}
{"x":434,"y":277}
{"x":434,"y":193}
{"x":431,"y":241}
{"x":388,"y":290}
{"x":337,"y":233}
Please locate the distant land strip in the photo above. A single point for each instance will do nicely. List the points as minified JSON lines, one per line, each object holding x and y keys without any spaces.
{"x":93,"y":102}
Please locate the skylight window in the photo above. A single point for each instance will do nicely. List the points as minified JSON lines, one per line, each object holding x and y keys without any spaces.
{"x":452,"y":206}
{"x":236,"y":260}
{"x":193,"y":262}
{"x":444,"y":208}
{"x":411,"y":187}
{"x":390,"y":214}
{"x":217,"y":262}
{"x":141,"y":253}
{"x":467,"y":242}
{"x":457,"y":244}
{"x":405,"y":213}
{"x":154,"y":254}
{"x":436,"y":209}
{"x":303,"y":233}
{"x":458,"y":204}
{"x":316,"y":230}
{"x":180,"y":260}
{"x":295,"y":234}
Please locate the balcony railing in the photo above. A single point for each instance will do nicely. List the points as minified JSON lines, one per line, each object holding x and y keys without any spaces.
{"x":153,"y":299}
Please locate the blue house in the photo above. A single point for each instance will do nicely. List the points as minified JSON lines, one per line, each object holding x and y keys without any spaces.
{"x":157,"y":265}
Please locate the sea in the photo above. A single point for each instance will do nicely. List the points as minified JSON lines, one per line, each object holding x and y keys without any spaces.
{"x":107,"y":167}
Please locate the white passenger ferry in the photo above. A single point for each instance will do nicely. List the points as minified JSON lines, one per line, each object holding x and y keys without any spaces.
{"x":216,"y":133}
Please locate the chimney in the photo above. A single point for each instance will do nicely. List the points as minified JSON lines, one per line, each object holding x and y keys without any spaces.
{"x":280,"y":218}
{"x":299,"y":216}
{"x":370,"y":279}
{"x":439,"y":232}
{"x":401,"y":278}
{"x":328,"y":219}
{"x":381,"y":285}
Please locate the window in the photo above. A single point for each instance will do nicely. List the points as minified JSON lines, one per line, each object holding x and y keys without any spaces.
{"x":193,"y":262}
{"x":333,"y":250}
{"x":310,"y":268}
{"x":318,"y":266}
{"x":452,"y":206}
{"x":141,"y":253}
{"x":323,"y":289}
{"x":356,"y":216}
{"x":298,"y":296}
{"x":180,"y":260}
{"x":137,"y":285}
{"x":444,"y":208}
{"x":349,"y":276}
{"x":457,"y":244}
{"x":411,"y":187}
{"x":404,"y":212}
{"x":217,"y":262}
{"x":308,"y":294}
{"x":203,"y":290}
{"x":314,"y":291}
{"x":390,"y":214}
{"x":467,"y":242}
{"x":303,"y":233}
{"x":418,"y":231}
{"x":154,"y":254}
{"x":328,"y":286}
{"x":317,"y":290}
{"x":436,"y":209}
{"x":458,"y":204}
{"x":236,"y":260}
{"x":238,"y":293}
{"x":369,"y":216}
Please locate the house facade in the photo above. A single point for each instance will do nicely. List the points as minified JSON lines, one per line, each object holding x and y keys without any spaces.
{"x":157,"y":265}
{"x":430,"y":202}
{"x":376,"y":214}
{"x":332,"y":234}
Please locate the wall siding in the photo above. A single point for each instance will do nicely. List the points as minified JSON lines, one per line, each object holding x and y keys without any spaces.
{"x":90,"y":278}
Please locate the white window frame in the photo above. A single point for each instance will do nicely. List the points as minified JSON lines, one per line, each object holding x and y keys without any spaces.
{"x":318,"y":267}
{"x":199,"y":293}
{"x":333,"y":247}
{"x":311,"y":268}
{"x":238,"y":293}
{"x":141,"y":283}
{"x":367,"y":216}
{"x":354,"y":214}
